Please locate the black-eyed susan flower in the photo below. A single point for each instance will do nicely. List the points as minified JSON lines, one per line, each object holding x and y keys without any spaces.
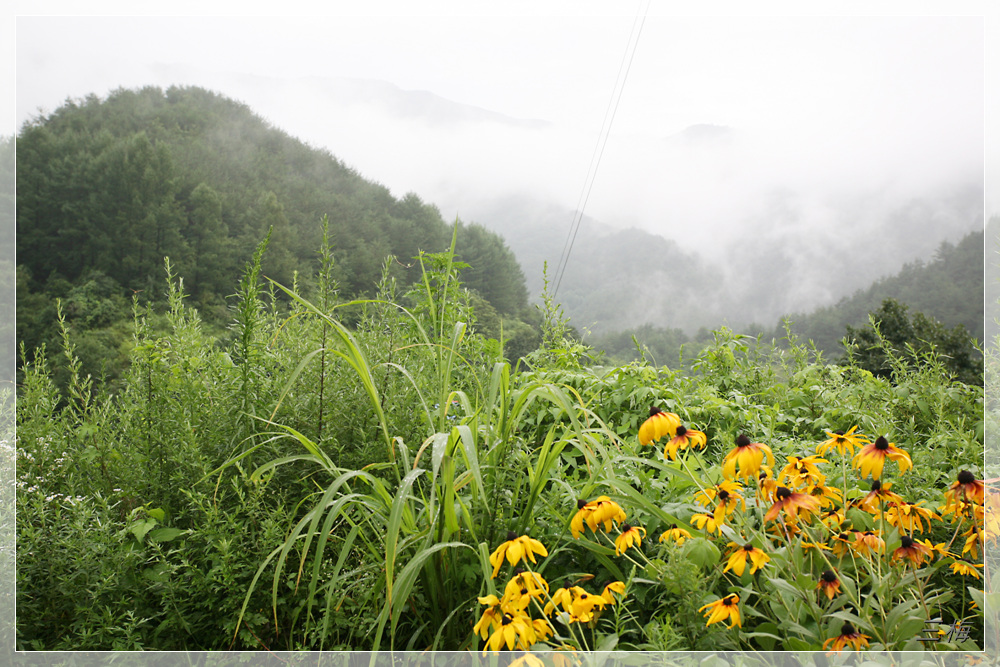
{"x":791,"y":503}
{"x":515,"y":549}
{"x":867,"y":543}
{"x":610,"y":589}
{"x":683,"y":439}
{"x":678,"y":535}
{"x":841,"y":441}
{"x":738,"y":559}
{"x":583,"y":605}
{"x":723,"y":609}
{"x":630,"y":536}
{"x":966,"y":488}
{"x":576,"y":601}
{"x":848,"y":636}
{"x":658,"y":424}
{"x":909,"y":516}
{"x":766,"y":485}
{"x":870,"y":459}
{"x":911,"y":550}
{"x":491,"y":618}
{"x":521,"y":589}
{"x":707,"y":496}
{"x":828,"y":496}
{"x":802,"y":472}
{"x":843,"y":543}
{"x":833,"y":518}
{"x":941,"y":548}
{"x":746,"y":458}
{"x":880,"y":493}
{"x":706,"y":522}
{"x":829,"y":584}
{"x":965,"y":568}
{"x":814,"y":546}
{"x":593,"y":513}
{"x":514,"y":630}
{"x":973,"y":541}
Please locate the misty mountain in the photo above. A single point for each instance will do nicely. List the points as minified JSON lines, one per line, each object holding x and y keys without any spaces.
{"x":625,"y":278}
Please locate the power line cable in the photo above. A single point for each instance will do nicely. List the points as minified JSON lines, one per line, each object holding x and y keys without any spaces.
{"x":602,"y":140}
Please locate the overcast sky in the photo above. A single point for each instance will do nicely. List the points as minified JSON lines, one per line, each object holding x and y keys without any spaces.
{"x":826,"y":105}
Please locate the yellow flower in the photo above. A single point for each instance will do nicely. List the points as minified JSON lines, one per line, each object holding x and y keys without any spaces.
{"x":678,"y":535}
{"x":706,"y":522}
{"x":829,"y":583}
{"x":708,"y":495}
{"x":879,"y":493}
{"x":491,"y":618}
{"x":848,"y":636}
{"x":867,"y":543}
{"x":583,"y":605}
{"x":658,"y":425}
{"x":828,"y":496}
{"x":683,"y":439}
{"x":603,"y":510}
{"x":610,"y":589}
{"x":520,"y":590}
{"x":630,"y":535}
{"x":515,"y":549}
{"x":738,"y":559}
{"x":912,"y":550}
{"x":802,"y":472}
{"x":747,"y":456}
{"x":871,"y":458}
{"x":792,"y":503}
{"x":723,"y":609}
{"x":841,"y":441}
{"x":966,"y":568}
{"x":909,"y":517}
{"x":514,"y":630}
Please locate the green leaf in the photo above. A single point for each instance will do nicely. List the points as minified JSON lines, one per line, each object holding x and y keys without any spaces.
{"x":165,"y":534}
{"x":701,"y":552}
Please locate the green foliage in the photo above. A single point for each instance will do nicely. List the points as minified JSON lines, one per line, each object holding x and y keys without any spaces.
{"x":334,"y":473}
{"x":895,"y":337}
{"x":109,"y":187}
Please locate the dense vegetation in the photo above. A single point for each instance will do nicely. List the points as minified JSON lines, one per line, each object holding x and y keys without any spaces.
{"x":309,"y":484}
{"x":108,"y":187}
{"x":342,"y":455}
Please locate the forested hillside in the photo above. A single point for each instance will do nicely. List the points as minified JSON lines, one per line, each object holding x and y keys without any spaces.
{"x":948,"y":289}
{"x":108,"y":187}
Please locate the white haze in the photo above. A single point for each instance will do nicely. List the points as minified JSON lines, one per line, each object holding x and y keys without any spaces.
{"x":731,"y":132}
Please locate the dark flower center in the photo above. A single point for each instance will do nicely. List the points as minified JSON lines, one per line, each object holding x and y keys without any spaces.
{"x":783,"y":493}
{"x":748,"y":547}
{"x":672,"y":526}
{"x":876,"y":485}
{"x":742,"y":440}
{"x":681,"y":431}
{"x":511,"y":536}
{"x":728,"y":602}
{"x":626,"y":528}
{"x":581,"y":503}
{"x":653,"y":410}
{"x":966,"y":477}
{"x":829,"y":576}
{"x":847,"y":630}
{"x":723,"y":495}
{"x":906,"y":541}
{"x":881,"y":443}
{"x":838,"y":432}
